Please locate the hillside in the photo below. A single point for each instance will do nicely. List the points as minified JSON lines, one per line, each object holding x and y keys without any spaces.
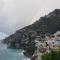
{"x":24,"y":38}
{"x":49,"y":23}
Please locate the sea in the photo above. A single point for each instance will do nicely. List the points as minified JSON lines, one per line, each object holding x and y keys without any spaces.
{"x":11,"y":54}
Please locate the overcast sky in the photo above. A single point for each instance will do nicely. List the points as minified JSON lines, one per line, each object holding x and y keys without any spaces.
{"x":15,"y":14}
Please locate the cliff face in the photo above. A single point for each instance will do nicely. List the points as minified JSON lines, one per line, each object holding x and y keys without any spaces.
{"x":24,"y":38}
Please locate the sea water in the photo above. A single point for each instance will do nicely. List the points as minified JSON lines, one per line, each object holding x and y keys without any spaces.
{"x":11,"y":54}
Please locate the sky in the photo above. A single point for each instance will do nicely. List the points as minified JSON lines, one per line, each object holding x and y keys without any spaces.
{"x":15,"y":14}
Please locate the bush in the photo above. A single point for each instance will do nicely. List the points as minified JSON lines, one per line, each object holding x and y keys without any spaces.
{"x":53,"y":55}
{"x":31,"y":49}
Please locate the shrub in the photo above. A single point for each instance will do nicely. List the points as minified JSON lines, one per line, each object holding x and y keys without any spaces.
{"x":53,"y":55}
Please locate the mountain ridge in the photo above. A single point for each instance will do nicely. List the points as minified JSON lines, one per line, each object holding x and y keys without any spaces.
{"x":24,"y":38}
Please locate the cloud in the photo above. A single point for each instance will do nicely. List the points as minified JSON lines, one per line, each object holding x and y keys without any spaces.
{"x":15,"y":14}
{"x":3,"y":35}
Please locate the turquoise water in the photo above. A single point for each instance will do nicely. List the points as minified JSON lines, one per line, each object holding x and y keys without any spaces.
{"x":11,"y":54}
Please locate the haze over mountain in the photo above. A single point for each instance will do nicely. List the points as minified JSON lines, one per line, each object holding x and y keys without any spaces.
{"x":3,"y":35}
{"x":15,"y":14}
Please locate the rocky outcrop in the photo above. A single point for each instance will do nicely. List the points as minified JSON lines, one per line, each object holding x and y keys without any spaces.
{"x":25,"y":37}
{"x":21,"y":38}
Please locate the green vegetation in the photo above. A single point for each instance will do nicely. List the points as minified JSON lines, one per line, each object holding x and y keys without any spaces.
{"x":47,"y":25}
{"x":53,"y":55}
{"x":31,"y":49}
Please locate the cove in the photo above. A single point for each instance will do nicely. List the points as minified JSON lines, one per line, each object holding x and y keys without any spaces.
{"x":11,"y":54}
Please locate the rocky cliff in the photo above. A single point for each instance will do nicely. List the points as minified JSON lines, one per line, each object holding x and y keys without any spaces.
{"x":24,"y":38}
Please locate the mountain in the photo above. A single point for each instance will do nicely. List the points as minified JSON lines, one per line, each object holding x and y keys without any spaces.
{"x":24,"y":38}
